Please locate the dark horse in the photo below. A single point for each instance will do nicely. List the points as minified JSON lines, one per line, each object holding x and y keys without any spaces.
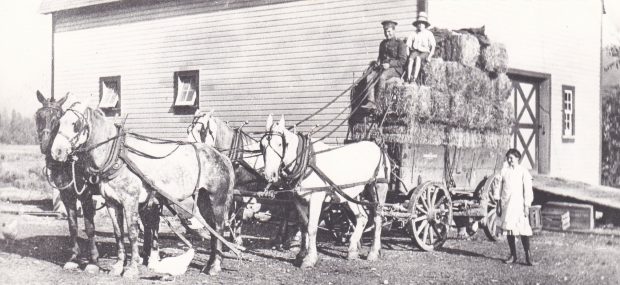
{"x":72,"y":187}
{"x":132,"y":168}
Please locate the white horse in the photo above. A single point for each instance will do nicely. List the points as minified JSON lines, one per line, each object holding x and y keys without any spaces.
{"x":352,"y":167}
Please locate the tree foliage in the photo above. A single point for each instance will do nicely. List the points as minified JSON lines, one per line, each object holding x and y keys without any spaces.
{"x":16,"y":129}
{"x":614,"y":53}
{"x":611,"y":136}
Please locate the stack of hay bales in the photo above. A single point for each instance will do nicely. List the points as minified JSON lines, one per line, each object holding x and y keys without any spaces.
{"x":463,"y":101}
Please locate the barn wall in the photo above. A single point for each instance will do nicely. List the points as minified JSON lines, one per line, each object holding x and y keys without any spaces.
{"x":254,"y":57}
{"x":561,"y":38}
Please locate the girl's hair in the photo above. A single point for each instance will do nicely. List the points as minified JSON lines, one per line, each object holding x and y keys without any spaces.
{"x":515,"y":152}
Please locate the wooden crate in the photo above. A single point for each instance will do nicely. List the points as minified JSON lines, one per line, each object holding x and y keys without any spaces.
{"x":581,"y":215}
{"x":535,"y":218}
{"x":555,"y":221}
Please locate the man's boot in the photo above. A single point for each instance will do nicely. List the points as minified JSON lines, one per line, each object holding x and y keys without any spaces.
{"x":370,"y":100}
{"x":513,"y":250}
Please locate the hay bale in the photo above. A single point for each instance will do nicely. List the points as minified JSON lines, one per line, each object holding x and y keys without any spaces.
{"x":456,"y":77}
{"x":467,"y":49}
{"x":478,"y":84}
{"x":494,"y":58}
{"x":440,"y":108}
{"x":423,"y":103}
{"x":482,"y":114}
{"x":431,"y":134}
{"x":435,"y":74}
{"x":502,"y":86}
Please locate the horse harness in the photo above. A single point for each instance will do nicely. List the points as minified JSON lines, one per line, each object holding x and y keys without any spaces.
{"x":306,"y":164}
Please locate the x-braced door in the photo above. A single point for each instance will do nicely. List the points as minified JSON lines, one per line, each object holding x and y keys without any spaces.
{"x":525,"y":98}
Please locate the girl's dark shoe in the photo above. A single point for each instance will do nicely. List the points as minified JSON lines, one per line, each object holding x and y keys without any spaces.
{"x":510,"y":260}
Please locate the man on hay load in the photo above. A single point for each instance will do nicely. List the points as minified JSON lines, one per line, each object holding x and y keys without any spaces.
{"x":390,"y":63}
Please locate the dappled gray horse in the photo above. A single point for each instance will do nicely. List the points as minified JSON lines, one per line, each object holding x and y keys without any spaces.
{"x":72,"y":186}
{"x":131,"y":167}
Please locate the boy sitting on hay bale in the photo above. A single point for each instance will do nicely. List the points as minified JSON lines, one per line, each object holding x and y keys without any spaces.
{"x":421,"y":46}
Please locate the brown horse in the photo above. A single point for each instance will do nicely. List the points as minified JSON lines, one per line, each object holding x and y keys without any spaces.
{"x":131,"y":167}
{"x":71,"y":186}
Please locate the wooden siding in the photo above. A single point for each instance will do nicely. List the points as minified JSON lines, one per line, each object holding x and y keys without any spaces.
{"x":287,"y":58}
{"x":541,"y":39}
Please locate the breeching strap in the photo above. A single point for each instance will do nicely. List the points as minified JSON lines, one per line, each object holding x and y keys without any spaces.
{"x":134,"y":168}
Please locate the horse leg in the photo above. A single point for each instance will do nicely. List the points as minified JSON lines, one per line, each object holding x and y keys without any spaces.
{"x":88,"y":208}
{"x":361,"y":218}
{"x":116,"y":215}
{"x":150,"y":220}
{"x":69,"y":200}
{"x":302,"y":212}
{"x":381,"y":194}
{"x":315,"y":207}
{"x":130,"y":206}
{"x":215,"y":208}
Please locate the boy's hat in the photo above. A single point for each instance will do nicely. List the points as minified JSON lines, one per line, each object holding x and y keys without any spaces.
{"x":389,"y":24}
{"x":422,"y":18}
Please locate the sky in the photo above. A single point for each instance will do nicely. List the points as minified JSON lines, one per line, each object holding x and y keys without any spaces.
{"x":25,"y":51}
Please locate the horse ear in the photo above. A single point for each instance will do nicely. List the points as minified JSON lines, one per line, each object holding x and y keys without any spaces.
{"x":281,"y":122}
{"x":63,"y":99}
{"x":269,"y":122}
{"x":40,"y":97}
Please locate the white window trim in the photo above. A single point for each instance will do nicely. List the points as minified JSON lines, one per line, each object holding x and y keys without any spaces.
{"x":186,"y":89}
{"x":568,"y":112}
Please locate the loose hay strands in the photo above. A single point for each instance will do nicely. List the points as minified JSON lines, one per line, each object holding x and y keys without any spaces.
{"x":494,"y":58}
{"x":502,"y":85}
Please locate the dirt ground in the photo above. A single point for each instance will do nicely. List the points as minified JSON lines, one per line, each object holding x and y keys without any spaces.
{"x":41,"y":248}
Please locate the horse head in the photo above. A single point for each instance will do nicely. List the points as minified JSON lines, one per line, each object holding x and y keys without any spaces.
{"x":202,"y":128}
{"x":73,"y":131}
{"x":274,"y":145}
{"x":46,"y":119}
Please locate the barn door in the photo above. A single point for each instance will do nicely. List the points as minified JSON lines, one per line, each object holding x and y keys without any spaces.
{"x":525,"y":97}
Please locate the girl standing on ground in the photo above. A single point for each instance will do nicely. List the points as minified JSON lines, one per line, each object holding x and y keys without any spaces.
{"x":514,"y":205}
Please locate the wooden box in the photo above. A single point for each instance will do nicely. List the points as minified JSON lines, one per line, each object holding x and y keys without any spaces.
{"x":581,"y":215}
{"x":535,"y":218}
{"x":555,"y":221}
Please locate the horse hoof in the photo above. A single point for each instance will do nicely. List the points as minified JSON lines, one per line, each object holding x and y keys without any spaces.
{"x":70,"y":266}
{"x":117,"y":269}
{"x":92,"y":269}
{"x":353,"y":255}
{"x":131,"y":272}
{"x":372,"y":256}
{"x":214,"y":270}
{"x":308,"y":263}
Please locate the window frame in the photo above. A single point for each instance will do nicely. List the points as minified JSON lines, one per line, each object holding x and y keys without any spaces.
{"x":195,"y":76}
{"x":116,"y":109}
{"x":568,"y":113}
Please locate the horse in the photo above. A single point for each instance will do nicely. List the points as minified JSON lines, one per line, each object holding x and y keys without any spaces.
{"x":248,"y":160}
{"x":131,"y":168}
{"x":71,"y":182}
{"x":348,"y":170}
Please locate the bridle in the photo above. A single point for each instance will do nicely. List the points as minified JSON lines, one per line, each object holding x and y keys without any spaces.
{"x":49,"y":124}
{"x":81,"y":127}
{"x":203,"y":131}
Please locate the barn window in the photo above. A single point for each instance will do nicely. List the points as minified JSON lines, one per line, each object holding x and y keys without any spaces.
{"x":110,"y":95}
{"x":568,"y":112}
{"x":186,"y":89}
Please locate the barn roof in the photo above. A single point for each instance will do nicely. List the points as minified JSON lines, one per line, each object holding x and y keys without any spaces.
{"x":50,"y":6}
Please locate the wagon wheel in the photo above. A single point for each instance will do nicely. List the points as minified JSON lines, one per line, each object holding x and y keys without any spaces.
{"x":490,"y":222}
{"x":431,"y":207}
{"x":339,"y":221}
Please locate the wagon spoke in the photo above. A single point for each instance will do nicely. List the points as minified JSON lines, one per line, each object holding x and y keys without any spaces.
{"x":425,"y":229}
{"x":434,"y":197}
{"x":421,"y":210}
{"x":424,"y":203}
{"x":440,"y":202}
{"x":422,"y":225}
{"x":436,"y":231}
{"x":420,"y":218}
{"x":430,"y":233}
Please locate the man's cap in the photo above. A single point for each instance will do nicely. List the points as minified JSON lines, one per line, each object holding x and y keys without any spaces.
{"x":389,"y":24}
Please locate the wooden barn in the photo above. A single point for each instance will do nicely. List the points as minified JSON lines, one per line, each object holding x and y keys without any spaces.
{"x":156,"y":62}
